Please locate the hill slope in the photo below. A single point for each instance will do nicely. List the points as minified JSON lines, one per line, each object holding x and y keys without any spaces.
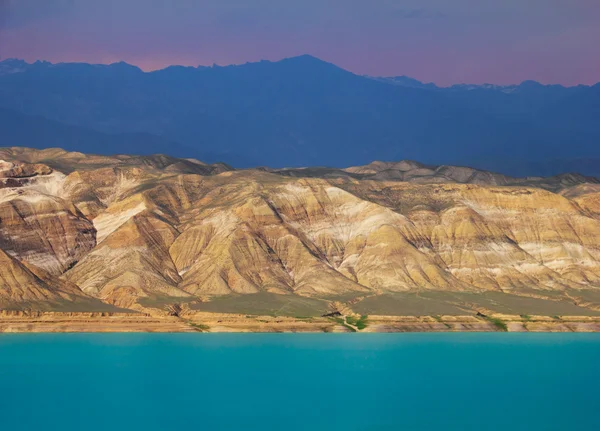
{"x":149,"y":233}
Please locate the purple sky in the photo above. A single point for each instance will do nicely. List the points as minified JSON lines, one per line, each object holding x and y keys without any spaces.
{"x":444,"y":41}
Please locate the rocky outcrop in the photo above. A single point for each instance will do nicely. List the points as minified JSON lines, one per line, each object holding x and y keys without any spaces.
{"x":22,"y":170}
{"x":24,"y":286}
{"x":511,"y":236}
{"x":43,"y":230}
{"x":69,"y":161}
{"x":239,"y":241}
{"x":130,"y":264}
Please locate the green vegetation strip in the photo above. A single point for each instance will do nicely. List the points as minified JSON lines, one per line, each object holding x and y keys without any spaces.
{"x":198,"y":326}
{"x":342,"y":322}
{"x":361,"y":323}
{"x":497,"y":323}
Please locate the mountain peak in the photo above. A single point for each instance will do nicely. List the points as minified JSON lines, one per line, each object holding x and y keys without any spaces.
{"x":12,"y":65}
{"x":531,"y":84}
{"x":306,"y":60}
{"x":122,"y":65}
{"x":13,"y":61}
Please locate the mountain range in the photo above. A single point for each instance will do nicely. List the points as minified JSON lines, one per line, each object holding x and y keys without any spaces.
{"x":297,"y":112}
{"x":154,"y":234}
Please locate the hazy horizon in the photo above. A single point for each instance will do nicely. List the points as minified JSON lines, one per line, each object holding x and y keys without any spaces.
{"x":465,"y":41}
{"x":146,"y":70}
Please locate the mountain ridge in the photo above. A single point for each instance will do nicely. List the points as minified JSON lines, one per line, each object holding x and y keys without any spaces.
{"x":305,"y":112}
{"x":153,"y":234}
{"x":22,"y":65}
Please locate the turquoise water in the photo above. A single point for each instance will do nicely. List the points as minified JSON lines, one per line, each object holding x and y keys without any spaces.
{"x":300,"y":382}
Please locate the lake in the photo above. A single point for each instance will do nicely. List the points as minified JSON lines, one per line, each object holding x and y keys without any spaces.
{"x":486,"y":381}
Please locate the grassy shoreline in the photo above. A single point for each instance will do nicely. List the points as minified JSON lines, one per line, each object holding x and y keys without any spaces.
{"x":225,"y":322}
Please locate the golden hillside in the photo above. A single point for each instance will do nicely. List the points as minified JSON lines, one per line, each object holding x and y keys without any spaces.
{"x":145,"y":233}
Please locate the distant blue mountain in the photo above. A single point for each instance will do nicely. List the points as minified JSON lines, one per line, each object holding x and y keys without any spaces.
{"x":407,"y":81}
{"x":303,"y":111}
{"x":20,"y":130}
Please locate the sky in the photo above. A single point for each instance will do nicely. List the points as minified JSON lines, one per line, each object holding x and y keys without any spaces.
{"x":441,"y":41}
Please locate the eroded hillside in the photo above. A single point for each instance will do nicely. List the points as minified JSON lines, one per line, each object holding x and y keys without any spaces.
{"x":155,"y":232}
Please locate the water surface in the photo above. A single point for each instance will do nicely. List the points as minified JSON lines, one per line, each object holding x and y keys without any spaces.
{"x":300,"y":381}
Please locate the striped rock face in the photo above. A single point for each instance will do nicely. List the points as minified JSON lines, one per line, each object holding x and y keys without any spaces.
{"x":139,"y":232}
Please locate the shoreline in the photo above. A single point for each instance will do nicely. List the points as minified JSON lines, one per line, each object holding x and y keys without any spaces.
{"x":64,"y":322}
